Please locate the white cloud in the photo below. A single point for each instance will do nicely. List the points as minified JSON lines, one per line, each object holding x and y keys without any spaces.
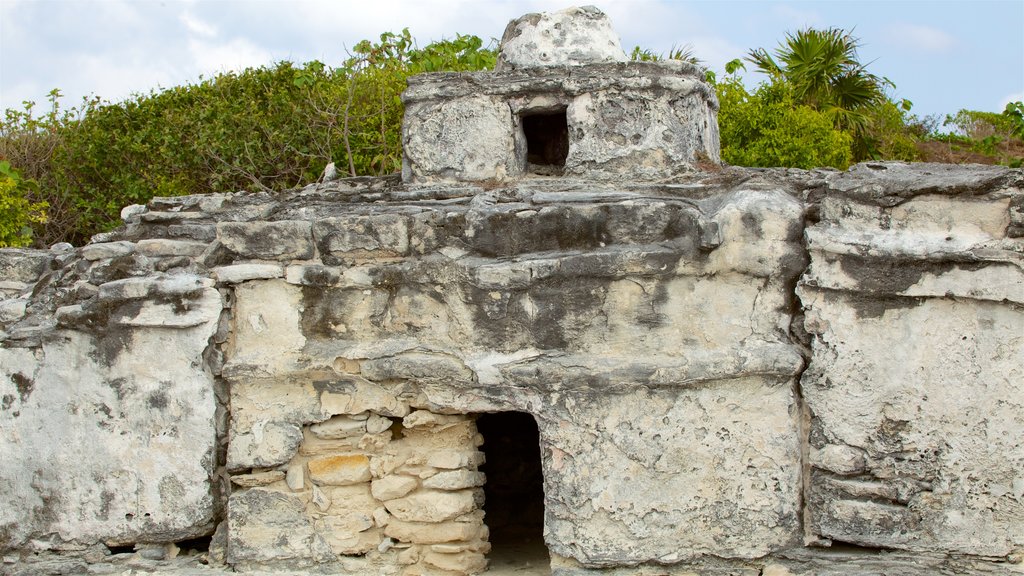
{"x":1015,"y":97}
{"x":920,"y":38}
{"x":235,"y":54}
{"x":197,"y":26}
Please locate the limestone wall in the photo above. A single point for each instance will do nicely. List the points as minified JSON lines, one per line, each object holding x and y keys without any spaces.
{"x":729,"y":373}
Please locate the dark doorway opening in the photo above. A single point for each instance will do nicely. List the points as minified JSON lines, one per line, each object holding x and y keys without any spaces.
{"x":514,"y":490}
{"x":547,"y":141}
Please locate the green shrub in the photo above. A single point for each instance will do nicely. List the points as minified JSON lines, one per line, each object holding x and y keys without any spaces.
{"x":768,"y":128}
{"x":17,"y":212}
{"x":269,"y":128}
{"x":888,"y":133}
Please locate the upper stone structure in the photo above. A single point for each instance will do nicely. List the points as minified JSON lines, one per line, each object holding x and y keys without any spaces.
{"x":563,"y":100}
{"x":572,"y":37}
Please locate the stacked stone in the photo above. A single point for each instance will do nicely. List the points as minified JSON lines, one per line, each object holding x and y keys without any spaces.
{"x":394,"y":492}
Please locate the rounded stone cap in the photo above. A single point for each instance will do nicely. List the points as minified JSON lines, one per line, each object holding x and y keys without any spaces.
{"x":569,"y":37}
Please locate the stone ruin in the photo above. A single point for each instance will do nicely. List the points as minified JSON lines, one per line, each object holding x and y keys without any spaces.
{"x":567,"y":327}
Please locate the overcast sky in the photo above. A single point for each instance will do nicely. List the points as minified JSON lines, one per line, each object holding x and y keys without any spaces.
{"x":943,"y":56}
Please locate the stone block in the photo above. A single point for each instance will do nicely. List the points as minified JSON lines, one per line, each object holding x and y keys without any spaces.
{"x":137,"y":439}
{"x":155,"y":286}
{"x":238,"y":273}
{"x":12,"y":309}
{"x":391,"y":487}
{"x":455,"y":480}
{"x":468,"y":139}
{"x":282,"y":240}
{"x":257,"y":478}
{"x":23,"y":264}
{"x":268,"y":526}
{"x":361,"y":236}
{"x":674,"y":473}
{"x":464,"y":562}
{"x":265,"y":445}
{"x":166,"y":247}
{"x":431,"y":532}
{"x":431,"y":506}
{"x":340,"y":470}
{"x":105,"y":250}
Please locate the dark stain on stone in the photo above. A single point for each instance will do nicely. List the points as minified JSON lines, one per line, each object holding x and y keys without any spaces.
{"x":319,"y":276}
{"x":891,"y":432}
{"x":559,"y":228}
{"x":752,"y":223}
{"x":875,"y":305}
{"x":892,"y":275}
{"x":792,"y":265}
{"x":121,"y":387}
{"x":110,"y":344}
{"x":121,"y":267}
{"x":157,"y":400}
{"x":7,"y":401}
{"x":561,"y":310}
{"x":24,"y":384}
{"x":106,"y":499}
{"x":324,"y":310}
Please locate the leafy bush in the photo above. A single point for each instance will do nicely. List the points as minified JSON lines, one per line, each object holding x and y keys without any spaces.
{"x":888,"y":133}
{"x":268,"y":128}
{"x":768,"y":128}
{"x":17,"y":212}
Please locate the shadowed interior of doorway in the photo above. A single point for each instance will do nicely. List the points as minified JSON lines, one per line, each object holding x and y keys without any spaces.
{"x":514,"y":493}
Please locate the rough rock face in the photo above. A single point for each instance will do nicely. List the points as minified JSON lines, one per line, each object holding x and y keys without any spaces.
{"x":654,"y":332}
{"x":915,"y":298}
{"x":98,"y":445}
{"x":570,"y":37}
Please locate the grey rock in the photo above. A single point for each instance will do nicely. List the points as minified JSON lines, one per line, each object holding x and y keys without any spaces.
{"x":570,"y":37}
{"x":106,"y":250}
{"x":23,"y":265}
{"x":268,"y":527}
{"x":267,"y":240}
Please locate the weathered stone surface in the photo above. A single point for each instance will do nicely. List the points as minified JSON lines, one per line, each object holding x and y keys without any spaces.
{"x":570,"y":37}
{"x":359,"y":236}
{"x":340,"y":470}
{"x":103,"y":250}
{"x":913,"y":298}
{"x":468,"y":139}
{"x":711,"y":470}
{"x":24,"y":265}
{"x":143,"y":434}
{"x":391,"y":487}
{"x":237,"y":273}
{"x":268,"y":527}
{"x":267,"y":240}
{"x":431,"y":506}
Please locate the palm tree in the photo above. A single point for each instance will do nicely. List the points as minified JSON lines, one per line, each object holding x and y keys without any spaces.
{"x":822,"y":68}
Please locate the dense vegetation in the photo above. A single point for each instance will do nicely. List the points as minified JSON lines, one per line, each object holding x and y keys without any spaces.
{"x":66,"y":173}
